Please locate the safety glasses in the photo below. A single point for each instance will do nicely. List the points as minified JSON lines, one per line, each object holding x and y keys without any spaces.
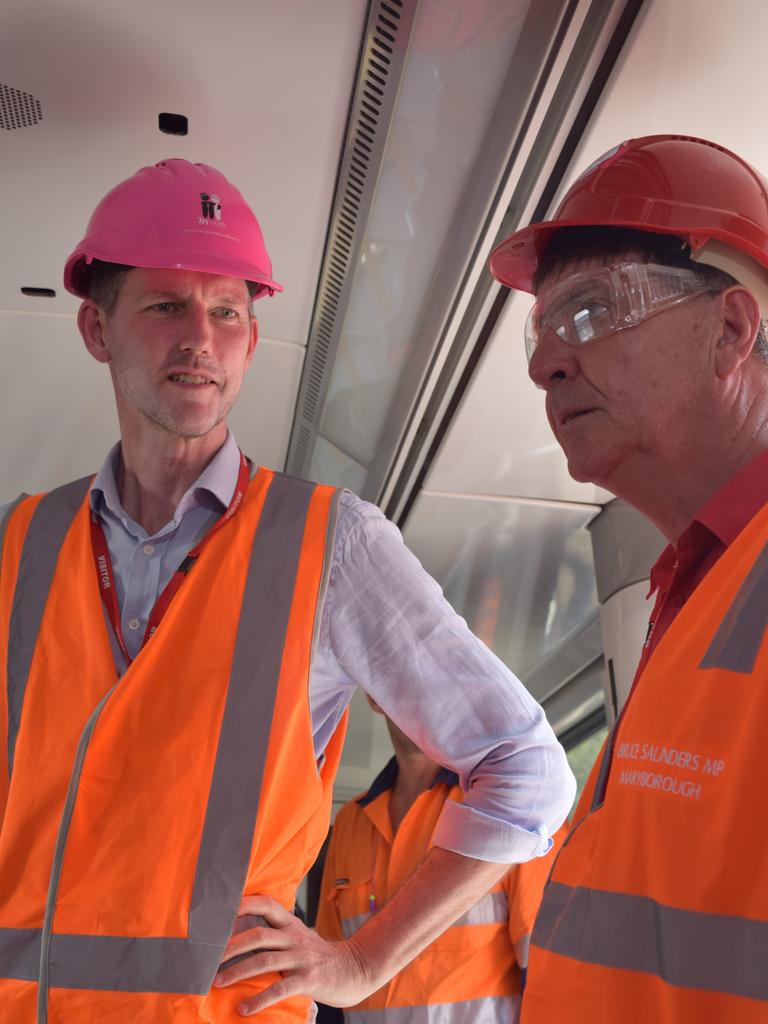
{"x":590,"y":305}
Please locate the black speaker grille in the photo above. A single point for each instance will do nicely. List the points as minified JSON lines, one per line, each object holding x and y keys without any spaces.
{"x":18,"y":109}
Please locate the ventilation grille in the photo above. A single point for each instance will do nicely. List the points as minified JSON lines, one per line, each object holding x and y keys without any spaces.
{"x":18,"y":109}
{"x":385,"y":44}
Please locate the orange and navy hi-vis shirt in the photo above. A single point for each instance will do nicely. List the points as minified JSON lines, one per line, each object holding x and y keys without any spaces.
{"x":473,"y":972}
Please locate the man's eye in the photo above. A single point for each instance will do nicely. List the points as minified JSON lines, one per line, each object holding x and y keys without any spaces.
{"x":226,"y":313}
{"x":162,"y":307}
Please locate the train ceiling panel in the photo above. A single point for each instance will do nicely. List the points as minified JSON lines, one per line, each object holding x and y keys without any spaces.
{"x":694,"y":67}
{"x":264,"y":90}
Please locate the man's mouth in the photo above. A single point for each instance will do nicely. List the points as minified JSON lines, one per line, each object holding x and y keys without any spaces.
{"x":190,"y":378}
{"x":574,"y":414}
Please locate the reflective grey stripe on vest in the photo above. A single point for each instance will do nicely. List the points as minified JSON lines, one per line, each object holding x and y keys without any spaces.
{"x":238,"y":773}
{"x":349,"y":925}
{"x":188,"y":965}
{"x":49,"y":525}
{"x":489,"y":1010}
{"x":6,"y":518}
{"x":522,"y":950}
{"x":738,"y":639}
{"x":683,"y":947}
{"x":493,"y":908}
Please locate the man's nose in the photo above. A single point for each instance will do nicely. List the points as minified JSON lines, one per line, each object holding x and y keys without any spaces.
{"x":553,"y":360}
{"x":197,"y":329}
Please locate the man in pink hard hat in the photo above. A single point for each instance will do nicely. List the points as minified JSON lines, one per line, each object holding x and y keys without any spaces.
{"x":184,"y":635}
{"x":648,"y":338}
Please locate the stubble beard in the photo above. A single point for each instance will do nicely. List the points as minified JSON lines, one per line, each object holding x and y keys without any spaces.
{"x":149,"y":404}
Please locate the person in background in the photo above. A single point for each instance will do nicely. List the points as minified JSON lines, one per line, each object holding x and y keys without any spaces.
{"x":648,"y":340}
{"x":476,"y":969}
{"x":181,"y":635}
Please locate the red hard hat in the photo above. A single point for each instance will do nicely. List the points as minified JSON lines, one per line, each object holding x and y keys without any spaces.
{"x":668,"y":184}
{"x":177,"y":216}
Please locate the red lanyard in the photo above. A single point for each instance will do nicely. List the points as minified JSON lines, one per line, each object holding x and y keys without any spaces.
{"x":106,"y":575}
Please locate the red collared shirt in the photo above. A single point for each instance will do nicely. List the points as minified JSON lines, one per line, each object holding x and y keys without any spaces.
{"x":679,"y":570}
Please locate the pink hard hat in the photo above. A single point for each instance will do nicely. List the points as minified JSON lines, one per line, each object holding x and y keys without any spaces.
{"x":175,"y":215}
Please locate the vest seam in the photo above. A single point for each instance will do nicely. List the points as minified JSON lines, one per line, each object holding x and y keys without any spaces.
{"x":58,"y":856}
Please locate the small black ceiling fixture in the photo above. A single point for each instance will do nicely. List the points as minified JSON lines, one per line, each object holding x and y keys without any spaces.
{"x":39,"y":293}
{"x":173,"y":124}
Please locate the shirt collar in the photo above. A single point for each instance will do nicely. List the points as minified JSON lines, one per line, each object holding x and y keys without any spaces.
{"x":386,"y":779}
{"x":217,"y":481}
{"x":722,"y":518}
{"x":737,"y":502}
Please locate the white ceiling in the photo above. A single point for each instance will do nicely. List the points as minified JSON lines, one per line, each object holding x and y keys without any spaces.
{"x":696,"y":67}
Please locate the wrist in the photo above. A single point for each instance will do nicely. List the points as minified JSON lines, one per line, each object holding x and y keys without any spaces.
{"x":362,"y":965}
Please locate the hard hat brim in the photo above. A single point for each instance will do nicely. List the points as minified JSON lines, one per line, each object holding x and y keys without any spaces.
{"x":76,"y":268}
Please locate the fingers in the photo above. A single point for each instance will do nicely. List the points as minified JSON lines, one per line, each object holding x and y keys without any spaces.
{"x":255,"y":939}
{"x":265,"y":962}
{"x":274,"y":912}
{"x":275,"y":993}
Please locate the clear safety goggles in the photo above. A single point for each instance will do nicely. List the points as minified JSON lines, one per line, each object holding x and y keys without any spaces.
{"x":603,"y":300}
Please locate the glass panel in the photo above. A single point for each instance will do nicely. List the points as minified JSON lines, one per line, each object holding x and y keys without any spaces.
{"x":457,"y":63}
{"x":330,"y":465}
{"x":520,"y":574}
{"x":500,"y":441}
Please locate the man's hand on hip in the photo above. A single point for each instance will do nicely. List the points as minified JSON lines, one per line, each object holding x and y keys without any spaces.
{"x":343,"y":973}
{"x":333,"y":972}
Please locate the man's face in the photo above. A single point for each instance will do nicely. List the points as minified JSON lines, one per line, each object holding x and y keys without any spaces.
{"x":178,"y":345}
{"x":631,"y":398}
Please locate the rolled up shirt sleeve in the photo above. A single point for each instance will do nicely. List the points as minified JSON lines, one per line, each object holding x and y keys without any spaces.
{"x":387,"y":627}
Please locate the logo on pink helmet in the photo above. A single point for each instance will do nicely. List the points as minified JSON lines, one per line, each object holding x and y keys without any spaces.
{"x":211,"y":208}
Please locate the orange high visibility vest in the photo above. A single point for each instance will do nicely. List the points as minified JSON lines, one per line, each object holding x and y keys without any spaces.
{"x":472,"y":972}
{"x":657,"y":907}
{"x":136,"y":812}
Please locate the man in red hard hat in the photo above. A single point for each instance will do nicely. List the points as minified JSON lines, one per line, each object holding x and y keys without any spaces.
{"x":647,"y":336}
{"x":181,"y":637}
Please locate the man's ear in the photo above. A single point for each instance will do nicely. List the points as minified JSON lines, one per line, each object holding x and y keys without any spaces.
{"x":741,"y":322}
{"x":91,"y":321}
